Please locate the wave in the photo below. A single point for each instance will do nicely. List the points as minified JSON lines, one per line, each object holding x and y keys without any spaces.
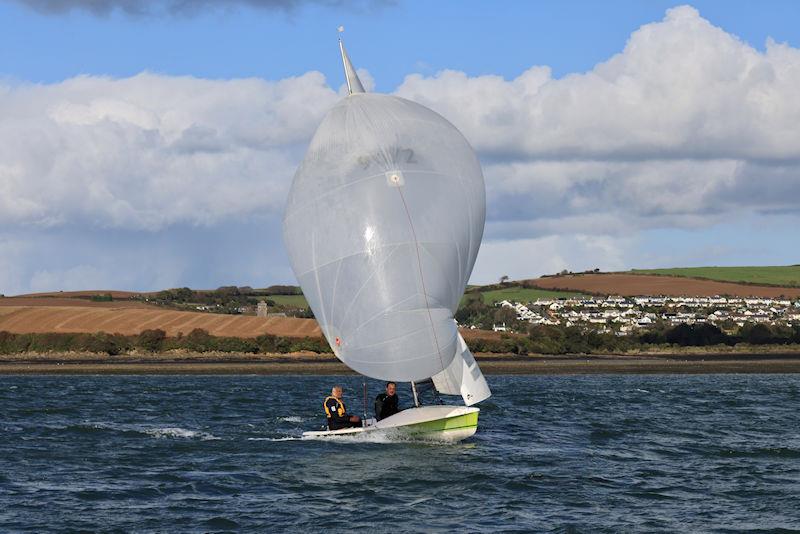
{"x":165,"y":432}
{"x":284,"y":438}
{"x":291,"y":419}
{"x":178,"y":432}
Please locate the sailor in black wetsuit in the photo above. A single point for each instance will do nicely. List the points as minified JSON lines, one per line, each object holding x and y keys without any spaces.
{"x":386,"y":403}
{"x":336,"y":413}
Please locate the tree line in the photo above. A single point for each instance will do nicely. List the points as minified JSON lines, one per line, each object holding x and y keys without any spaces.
{"x":541,"y":339}
{"x":557,"y":339}
{"x":154,"y":341}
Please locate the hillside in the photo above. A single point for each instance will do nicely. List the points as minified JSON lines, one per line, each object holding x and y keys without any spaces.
{"x":88,"y":294}
{"x":40,"y":317}
{"x":787,"y":276}
{"x":625,"y":284}
{"x":22,"y":315}
{"x":515,"y":293}
{"x":129,"y":314}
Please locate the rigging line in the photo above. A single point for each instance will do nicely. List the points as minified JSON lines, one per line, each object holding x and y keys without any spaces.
{"x":319,"y":289}
{"x":335,"y":285}
{"x":422,"y":281}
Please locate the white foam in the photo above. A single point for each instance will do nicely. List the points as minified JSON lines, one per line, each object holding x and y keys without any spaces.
{"x":419,"y":501}
{"x":291,"y":419}
{"x":373,"y":436}
{"x":156,"y":432}
{"x":285,"y":438}
{"x":177,"y":432}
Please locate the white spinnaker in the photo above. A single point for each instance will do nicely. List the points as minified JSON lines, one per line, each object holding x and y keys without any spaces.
{"x":383,"y":224}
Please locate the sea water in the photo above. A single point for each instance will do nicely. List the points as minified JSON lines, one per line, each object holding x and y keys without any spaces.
{"x":561,"y":453}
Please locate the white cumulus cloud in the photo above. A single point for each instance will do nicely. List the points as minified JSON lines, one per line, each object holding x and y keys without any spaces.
{"x":686,"y":124}
{"x":150,"y":151}
{"x":687,"y":127}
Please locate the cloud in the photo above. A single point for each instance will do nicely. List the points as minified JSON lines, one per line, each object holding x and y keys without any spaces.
{"x":150,"y":151}
{"x":687,"y":124}
{"x":686,"y":128}
{"x":530,"y":257}
{"x":184,"y":7}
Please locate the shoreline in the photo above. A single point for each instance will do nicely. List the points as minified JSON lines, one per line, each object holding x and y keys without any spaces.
{"x":314,"y":364}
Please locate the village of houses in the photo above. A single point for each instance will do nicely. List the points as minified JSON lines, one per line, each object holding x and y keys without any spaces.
{"x":625,"y":315}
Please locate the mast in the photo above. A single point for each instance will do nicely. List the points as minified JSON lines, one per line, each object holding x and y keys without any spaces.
{"x":353,"y":83}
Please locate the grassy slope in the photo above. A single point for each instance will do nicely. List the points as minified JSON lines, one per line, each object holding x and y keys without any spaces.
{"x":289,"y":300}
{"x":778,"y":276}
{"x":517,"y":294}
{"x":521,"y":294}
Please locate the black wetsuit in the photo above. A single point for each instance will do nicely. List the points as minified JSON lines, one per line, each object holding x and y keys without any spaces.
{"x":385,"y":405}
{"x":337,"y":415}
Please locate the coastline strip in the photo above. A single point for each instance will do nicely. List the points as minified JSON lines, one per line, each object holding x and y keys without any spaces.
{"x":528,"y":366}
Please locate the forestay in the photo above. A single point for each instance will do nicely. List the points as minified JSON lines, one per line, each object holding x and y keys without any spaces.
{"x":383,"y":223}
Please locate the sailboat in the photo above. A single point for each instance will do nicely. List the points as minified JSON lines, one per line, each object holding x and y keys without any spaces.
{"x":383,"y":223}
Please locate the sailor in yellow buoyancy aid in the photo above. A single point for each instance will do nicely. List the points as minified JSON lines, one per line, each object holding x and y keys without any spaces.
{"x":336,"y":413}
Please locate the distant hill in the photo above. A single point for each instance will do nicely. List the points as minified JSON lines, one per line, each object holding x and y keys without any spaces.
{"x":515,"y":292}
{"x":627,"y":284}
{"x":784,"y":276}
{"x":130,"y":312}
{"x":114,"y":293}
{"x":50,"y":314}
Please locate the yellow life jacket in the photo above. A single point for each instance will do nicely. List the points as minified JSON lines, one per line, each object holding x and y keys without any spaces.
{"x":340,"y":411}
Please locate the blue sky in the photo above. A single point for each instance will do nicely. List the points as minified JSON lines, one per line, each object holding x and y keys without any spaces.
{"x":709,"y":186}
{"x":390,"y":41}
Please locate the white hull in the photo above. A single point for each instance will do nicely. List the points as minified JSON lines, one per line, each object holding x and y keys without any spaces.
{"x":448,"y":424}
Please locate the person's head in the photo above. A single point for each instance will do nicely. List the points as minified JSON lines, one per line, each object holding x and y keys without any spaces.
{"x":391,"y":388}
{"x":336,"y":391}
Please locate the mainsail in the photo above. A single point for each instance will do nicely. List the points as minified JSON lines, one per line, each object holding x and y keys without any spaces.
{"x":383,"y":224}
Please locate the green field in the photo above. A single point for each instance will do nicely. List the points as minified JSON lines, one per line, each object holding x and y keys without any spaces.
{"x":295,"y":301}
{"x":514,"y":294}
{"x":522,"y":294}
{"x":776,"y":276}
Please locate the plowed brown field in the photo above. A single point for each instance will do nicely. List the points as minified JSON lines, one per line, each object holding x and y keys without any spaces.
{"x":636,"y":284}
{"x":57,"y":314}
{"x":42,"y":315}
{"x":129,"y":321}
{"x":64,"y":301}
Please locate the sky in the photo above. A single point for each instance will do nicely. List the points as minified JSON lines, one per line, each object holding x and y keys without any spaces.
{"x":151,"y":144}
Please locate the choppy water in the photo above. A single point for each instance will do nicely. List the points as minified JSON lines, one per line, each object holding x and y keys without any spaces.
{"x":581,"y":454}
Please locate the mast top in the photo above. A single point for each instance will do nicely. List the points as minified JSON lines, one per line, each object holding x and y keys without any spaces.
{"x":353,"y":83}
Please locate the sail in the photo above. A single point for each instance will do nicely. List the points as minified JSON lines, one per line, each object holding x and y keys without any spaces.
{"x":463,"y":377}
{"x":382,"y":226}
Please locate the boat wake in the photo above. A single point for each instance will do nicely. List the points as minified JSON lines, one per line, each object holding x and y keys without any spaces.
{"x":381,"y":436}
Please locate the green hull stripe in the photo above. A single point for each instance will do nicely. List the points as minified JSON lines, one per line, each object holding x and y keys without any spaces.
{"x":469,"y":420}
